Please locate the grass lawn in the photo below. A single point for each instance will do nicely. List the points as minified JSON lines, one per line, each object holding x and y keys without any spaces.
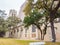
{"x":8,"y":41}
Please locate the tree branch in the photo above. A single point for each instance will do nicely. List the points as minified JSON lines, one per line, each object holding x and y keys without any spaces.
{"x":38,"y":26}
{"x":57,"y":7}
{"x":45,"y":5}
{"x":45,"y":28}
{"x":52,"y":4}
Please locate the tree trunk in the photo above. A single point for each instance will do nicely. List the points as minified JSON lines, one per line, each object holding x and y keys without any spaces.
{"x":42,"y":35}
{"x":41,"y":31}
{"x":53,"y":31}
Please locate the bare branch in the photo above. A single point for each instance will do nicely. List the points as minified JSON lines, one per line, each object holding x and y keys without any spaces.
{"x":45,"y":5}
{"x":52,"y":4}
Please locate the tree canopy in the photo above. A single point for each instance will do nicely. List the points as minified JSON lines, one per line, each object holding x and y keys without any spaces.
{"x":13,"y":21}
{"x":3,"y":23}
{"x":49,"y":7}
{"x":38,"y":19}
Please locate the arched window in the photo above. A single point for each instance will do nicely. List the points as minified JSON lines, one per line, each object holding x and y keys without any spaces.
{"x":26,"y":29}
{"x":33,"y":28}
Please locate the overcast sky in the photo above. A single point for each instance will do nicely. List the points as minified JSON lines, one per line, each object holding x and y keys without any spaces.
{"x":11,"y":4}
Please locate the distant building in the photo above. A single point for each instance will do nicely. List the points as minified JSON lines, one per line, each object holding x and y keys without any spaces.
{"x":13,"y":31}
{"x":21,"y":14}
{"x":12,"y":12}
